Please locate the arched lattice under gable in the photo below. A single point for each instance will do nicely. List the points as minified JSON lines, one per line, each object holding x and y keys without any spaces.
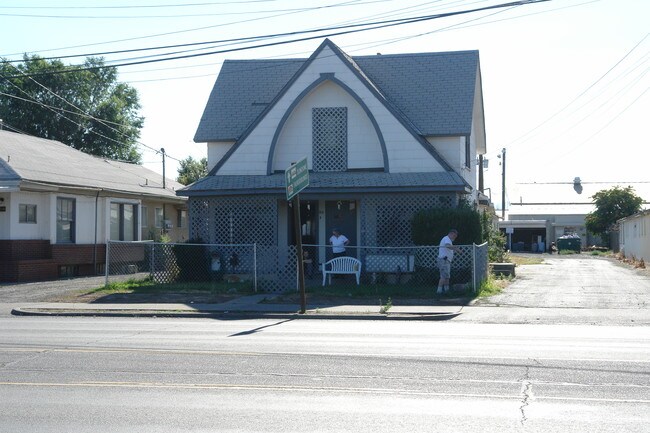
{"x":330,"y":98}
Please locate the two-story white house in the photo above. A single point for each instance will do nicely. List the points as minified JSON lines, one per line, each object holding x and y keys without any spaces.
{"x":384,"y":136}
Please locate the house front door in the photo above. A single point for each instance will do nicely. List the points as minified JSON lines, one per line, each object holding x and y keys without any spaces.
{"x":342,"y":214}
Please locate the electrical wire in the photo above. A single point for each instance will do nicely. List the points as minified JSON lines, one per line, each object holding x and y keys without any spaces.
{"x":220,"y":41}
{"x":140,"y":6}
{"x":194,"y":29}
{"x":113,"y":17}
{"x":82,"y":113}
{"x":521,"y":138}
{"x":390,"y":23}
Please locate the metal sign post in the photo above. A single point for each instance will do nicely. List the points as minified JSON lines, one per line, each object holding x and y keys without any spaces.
{"x":297,"y":179}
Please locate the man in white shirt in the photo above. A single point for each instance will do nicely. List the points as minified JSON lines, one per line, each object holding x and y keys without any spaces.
{"x":445,"y":257}
{"x":338,"y":242}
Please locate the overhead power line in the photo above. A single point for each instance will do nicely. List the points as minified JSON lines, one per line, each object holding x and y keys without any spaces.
{"x":221,"y":13}
{"x":378,"y":25}
{"x":194,"y":29}
{"x":241,"y":39}
{"x":522,"y":139}
{"x":140,"y":6}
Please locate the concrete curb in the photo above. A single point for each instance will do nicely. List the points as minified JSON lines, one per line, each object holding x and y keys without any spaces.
{"x":50,"y":312}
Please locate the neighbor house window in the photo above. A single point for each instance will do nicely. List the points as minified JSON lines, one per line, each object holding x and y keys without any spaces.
{"x":27,"y":213}
{"x":330,"y":138}
{"x":145,"y":216}
{"x":159,"y":217}
{"x":65,"y":220}
{"x":181,"y":218}
{"x":468,"y":159}
{"x":124,"y":222}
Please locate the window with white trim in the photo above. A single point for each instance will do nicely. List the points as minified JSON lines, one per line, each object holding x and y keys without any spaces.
{"x":124,"y":222}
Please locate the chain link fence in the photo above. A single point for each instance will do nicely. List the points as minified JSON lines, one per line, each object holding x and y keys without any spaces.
{"x":194,"y":265}
{"x":275,"y":269}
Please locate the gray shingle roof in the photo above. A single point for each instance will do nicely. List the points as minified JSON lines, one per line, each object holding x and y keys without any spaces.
{"x":432,"y":91}
{"x":52,"y":162}
{"x":331,"y":182}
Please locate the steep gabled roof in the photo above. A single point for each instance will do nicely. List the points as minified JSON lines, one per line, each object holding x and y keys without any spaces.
{"x":49,"y":162}
{"x":432,"y":92}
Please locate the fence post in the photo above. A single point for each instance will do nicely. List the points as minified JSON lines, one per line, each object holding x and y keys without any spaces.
{"x":255,"y":266}
{"x":474,"y":265}
{"x":108,"y":260}
{"x":151,"y":261}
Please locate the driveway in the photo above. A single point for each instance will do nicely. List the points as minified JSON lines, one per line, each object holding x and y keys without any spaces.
{"x":576,"y":281}
{"x":45,"y":291}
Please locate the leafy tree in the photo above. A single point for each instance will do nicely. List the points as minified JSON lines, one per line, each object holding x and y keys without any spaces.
{"x":105,"y":121}
{"x":191,"y":170}
{"x":612,"y":205}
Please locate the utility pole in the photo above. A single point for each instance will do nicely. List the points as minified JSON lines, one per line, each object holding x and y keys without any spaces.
{"x":503,"y":184}
{"x":164,"y":227}
{"x":480,"y":173}
{"x":162,"y":151}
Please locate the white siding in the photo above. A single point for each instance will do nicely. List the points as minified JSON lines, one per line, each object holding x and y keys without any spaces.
{"x":405,"y":153}
{"x":216,"y":151}
{"x":451,"y":149}
{"x":17,"y":230}
{"x":295,"y":140}
{"x":635,"y":237}
{"x":4,"y":216}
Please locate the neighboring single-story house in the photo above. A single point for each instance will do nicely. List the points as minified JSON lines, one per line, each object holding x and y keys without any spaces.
{"x":384,"y":136}
{"x":634,"y":236}
{"x":58,"y":206}
{"x":539,"y":213}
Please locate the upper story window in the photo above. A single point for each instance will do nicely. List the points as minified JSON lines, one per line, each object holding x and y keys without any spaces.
{"x":330,"y":138}
{"x":468,"y":157}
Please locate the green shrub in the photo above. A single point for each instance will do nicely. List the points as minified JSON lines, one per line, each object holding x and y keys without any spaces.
{"x":429,"y":226}
{"x":193,"y":261}
{"x":496,"y":240}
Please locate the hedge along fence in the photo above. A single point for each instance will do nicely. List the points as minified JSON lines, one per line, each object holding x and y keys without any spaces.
{"x":429,"y":226}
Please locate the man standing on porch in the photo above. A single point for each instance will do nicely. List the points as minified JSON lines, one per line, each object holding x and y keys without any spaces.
{"x":445,"y":257}
{"x":338,"y":242}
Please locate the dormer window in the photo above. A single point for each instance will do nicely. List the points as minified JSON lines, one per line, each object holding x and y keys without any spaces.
{"x":330,"y":138}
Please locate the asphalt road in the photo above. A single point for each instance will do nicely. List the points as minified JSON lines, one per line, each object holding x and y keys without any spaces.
{"x":152,"y":375}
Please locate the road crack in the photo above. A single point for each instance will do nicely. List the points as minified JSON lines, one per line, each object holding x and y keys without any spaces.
{"x":526,"y":393}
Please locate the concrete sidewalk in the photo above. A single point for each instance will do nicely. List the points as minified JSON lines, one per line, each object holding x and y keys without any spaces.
{"x":249,"y":306}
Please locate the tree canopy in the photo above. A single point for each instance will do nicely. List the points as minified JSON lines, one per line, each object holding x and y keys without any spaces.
{"x":191,"y":170}
{"x":612,"y":205}
{"x":86,"y":109}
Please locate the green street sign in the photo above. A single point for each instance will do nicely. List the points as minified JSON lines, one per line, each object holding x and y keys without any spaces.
{"x":296,"y":178}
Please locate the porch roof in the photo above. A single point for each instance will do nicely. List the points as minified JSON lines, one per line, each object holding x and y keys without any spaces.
{"x":329,"y":182}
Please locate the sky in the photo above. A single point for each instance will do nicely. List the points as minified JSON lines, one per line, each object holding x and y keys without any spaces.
{"x":564,"y":82}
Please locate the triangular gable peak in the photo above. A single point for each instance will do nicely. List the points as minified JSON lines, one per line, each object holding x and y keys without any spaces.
{"x":263,"y":148}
